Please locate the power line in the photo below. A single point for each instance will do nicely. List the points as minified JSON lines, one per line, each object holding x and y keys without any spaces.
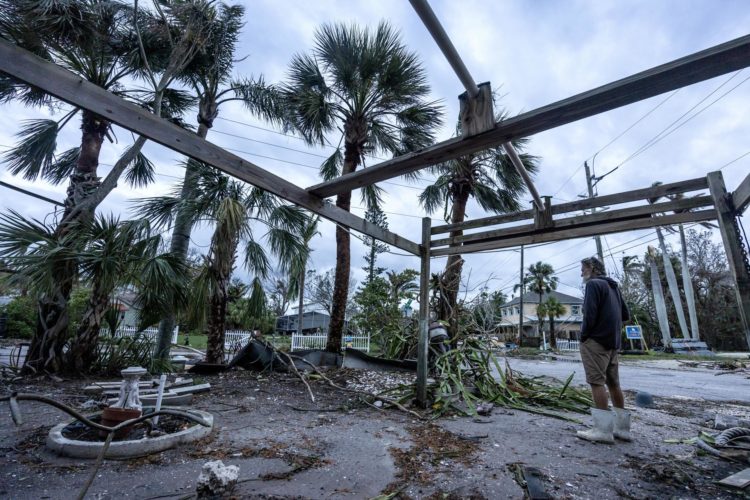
{"x":30,"y":193}
{"x":639,"y":120}
{"x":663,"y":134}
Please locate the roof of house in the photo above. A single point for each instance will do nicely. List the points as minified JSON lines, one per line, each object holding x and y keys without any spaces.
{"x":533,"y":298}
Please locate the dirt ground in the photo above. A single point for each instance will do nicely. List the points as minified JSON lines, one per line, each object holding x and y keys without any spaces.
{"x":286,"y":446}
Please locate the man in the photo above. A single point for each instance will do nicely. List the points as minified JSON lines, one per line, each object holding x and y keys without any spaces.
{"x":603,"y":315}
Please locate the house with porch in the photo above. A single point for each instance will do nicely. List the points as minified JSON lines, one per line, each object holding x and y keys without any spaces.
{"x":567,"y":326}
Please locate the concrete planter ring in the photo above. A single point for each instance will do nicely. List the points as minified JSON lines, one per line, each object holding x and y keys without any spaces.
{"x":128,"y":448}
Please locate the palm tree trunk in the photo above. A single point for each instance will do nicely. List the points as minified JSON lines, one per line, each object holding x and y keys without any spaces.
{"x":660,"y":305}
{"x":343,"y":252}
{"x":674,"y":290}
{"x":552,"y":338}
{"x":687,"y":285}
{"x":180,"y":245}
{"x":82,"y":353}
{"x":46,"y":350}
{"x":221,"y":262}
{"x":451,"y":279}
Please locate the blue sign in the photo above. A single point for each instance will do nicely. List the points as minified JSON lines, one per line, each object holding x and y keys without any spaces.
{"x":633,"y":332}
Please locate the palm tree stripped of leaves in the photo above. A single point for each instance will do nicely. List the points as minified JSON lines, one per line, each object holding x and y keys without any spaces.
{"x":687,"y":282}
{"x":552,"y":309}
{"x":209,"y":76}
{"x":370,"y":88}
{"x":488,"y":177}
{"x":107,"y":43}
{"x":540,"y":279}
{"x":236,"y":212}
{"x":108,"y":254}
{"x":659,"y":303}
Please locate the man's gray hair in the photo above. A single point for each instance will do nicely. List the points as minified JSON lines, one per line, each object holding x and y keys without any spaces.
{"x":597,"y":266}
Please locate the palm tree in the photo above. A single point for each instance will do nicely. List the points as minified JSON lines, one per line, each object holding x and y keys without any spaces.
{"x":371,"y":89}
{"x":552,"y":309}
{"x":540,"y":279}
{"x":298,"y":269}
{"x":109,"y":44}
{"x":117,"y":254}
{"x":236,"y":212}
{"x":209,"y":76}
{"x":402,"y":285}
{"x":488,"y":177}
{"x":108,"y":254}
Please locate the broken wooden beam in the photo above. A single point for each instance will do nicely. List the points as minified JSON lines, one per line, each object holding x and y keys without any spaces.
{"x":568,"y":233}
{"x":587,"y":204}
{"x":66,"y":86}
{"x":715,"y":61}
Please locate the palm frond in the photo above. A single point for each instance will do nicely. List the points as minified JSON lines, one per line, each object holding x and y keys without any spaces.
{"x":256,"y":304}
{"x":63,"y":166}
{"x":286,"y":246}
{"x":256,"y":261}
{"x":331,"y":167}
{"x":140,"y":172}
{"x":265,"y":101}
{"x":35,"y":150}
{"x":372,"y":195}
{"x":160,"y":210}
{"x":433,"y":197}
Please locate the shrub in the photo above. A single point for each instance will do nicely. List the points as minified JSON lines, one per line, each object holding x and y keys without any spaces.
{"x":21,"y":320}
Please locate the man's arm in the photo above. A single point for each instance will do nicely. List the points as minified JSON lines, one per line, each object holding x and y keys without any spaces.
{"x":590,"y":308}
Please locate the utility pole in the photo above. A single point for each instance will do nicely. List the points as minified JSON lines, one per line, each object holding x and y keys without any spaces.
{"x":589,"y":184}
{"x":520,"y":310}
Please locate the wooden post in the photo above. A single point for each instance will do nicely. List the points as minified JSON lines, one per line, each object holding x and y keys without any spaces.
{"x":476,"y":113}
{"x":424,"y":312}
{"x":732,"y":246}
{"x":543,"y":218}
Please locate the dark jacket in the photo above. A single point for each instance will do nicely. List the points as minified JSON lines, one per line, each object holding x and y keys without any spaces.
{"x":603,"y":312}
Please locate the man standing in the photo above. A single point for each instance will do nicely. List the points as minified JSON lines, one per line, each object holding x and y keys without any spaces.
{"x":603,"y":315}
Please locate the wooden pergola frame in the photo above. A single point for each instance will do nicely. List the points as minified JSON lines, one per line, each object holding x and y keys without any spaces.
{"x":720,"y":205}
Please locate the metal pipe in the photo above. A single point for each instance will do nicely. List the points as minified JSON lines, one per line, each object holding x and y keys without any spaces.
{"x":516,"y":160}
{"x":431,"y":22}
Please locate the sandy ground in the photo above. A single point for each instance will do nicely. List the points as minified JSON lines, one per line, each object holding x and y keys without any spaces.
{"x":286,"y":446}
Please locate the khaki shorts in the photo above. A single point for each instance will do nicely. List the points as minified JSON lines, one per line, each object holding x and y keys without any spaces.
{"x":600,"y":364}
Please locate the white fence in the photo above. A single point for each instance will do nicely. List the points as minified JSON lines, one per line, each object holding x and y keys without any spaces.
{"x":568,"y":345}
{"x":233,"y":339}
{"x":236,"y":339}
{"x":359,"y":342}
{"x":150,"y":333}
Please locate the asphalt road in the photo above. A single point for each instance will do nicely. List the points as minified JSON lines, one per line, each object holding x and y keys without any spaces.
{"x":665,"y":382}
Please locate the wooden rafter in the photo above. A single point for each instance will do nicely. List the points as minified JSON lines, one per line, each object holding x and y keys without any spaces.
{"x":641,"y":212}
{"x":580,"y":231}
{"x":64,"y":85}
{"x":709,"y":63}
{"x":587,"y":204}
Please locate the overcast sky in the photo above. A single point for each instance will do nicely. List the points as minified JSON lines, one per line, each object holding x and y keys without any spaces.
{"x":533,"y":53}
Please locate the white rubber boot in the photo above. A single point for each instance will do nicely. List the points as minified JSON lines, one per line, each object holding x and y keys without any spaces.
{"x":622,"y":424}
{"x":601,"y":432}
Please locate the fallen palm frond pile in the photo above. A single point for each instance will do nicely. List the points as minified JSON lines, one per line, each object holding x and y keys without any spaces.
{"x":470,"y":376}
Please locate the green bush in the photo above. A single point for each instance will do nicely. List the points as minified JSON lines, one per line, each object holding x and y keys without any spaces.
{"x":21,"y":322}
{"x":79,"y":301}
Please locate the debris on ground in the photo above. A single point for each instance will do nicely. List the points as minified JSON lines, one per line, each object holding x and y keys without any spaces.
{"x":739,"y":480}
{"x":433,"y":448}
{"x":216,"y":479}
